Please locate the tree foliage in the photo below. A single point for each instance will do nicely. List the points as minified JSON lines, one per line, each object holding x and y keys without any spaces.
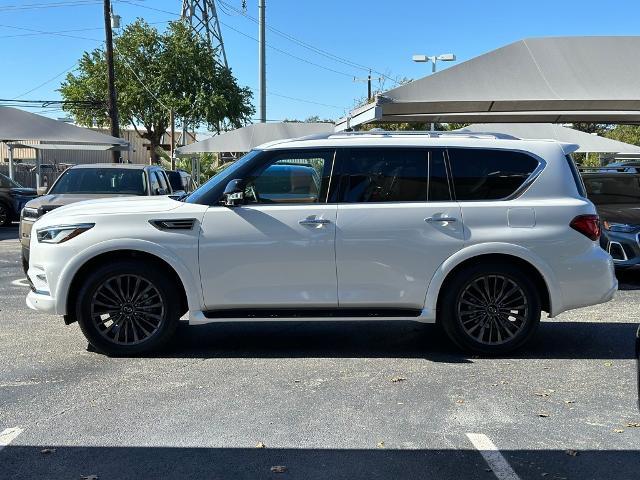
{"x":158,"y":72}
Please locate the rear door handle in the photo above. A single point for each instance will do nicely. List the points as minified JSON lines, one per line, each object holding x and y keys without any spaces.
{"x":440,"y":219}
{"x":314,"y":221}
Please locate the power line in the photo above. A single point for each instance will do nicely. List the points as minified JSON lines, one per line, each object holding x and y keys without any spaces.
{"x":60,"y":33}
{"x":303,"y":100}
{"x":49,"y":33}
{"x":254,"y":39}
{"x":42,"y":6}
{"x":46,"y":82}
{"x":308,"y":46}
{"x":289,"y":54}
{"x":43,"y":32}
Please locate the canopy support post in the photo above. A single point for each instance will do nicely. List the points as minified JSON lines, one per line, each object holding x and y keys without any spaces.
{"x":10,"y":156}
{"x":38,"y":169}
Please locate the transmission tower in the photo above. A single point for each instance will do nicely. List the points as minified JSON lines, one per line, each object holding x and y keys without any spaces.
{"x":203,"y":18}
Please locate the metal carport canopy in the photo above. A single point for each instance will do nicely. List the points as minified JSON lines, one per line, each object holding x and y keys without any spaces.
{"x":556,"y":80}
{"x":587,"y":142}
{"x":246,"y":138}
{"x":18,"y":125}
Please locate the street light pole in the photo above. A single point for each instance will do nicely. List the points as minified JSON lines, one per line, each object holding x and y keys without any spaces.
{"x":112,"y":105}
{"x":262,"y":74}
{"x":445,"y":57}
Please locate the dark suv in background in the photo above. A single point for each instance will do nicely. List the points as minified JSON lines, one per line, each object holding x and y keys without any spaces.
{"x":13,"y":197}
{"x":616,"y":195}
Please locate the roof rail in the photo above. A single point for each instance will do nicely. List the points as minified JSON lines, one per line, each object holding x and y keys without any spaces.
{"x":429,"y":133}
{"x":630,"y":169}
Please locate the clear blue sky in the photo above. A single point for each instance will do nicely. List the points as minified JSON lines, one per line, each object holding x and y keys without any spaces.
{"x":378,"y":34}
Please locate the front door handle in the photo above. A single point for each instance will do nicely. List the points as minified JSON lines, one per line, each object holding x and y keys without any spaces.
{"x":440,"y":219}
{"x":314,"y":221}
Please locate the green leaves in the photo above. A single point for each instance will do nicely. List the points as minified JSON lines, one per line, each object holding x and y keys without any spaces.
{"x":157,"y":72}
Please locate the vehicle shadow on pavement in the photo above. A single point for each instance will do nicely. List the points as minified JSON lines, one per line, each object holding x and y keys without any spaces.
{"x":9,"y":233}
{"x":398,"y":339}
{"x":27,"y":462}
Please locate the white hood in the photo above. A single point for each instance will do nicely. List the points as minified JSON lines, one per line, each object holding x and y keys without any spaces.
{"x":115,"y":206}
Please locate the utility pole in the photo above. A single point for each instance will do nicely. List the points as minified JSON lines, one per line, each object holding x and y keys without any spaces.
{"x":262,"y":61}
{"x":172,"y":120}
{"x":112,"y":105}
{"x":368,"y":80}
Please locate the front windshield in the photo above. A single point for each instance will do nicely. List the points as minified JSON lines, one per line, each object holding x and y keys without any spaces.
{"x":6,"y":182}
{"x":103,"y":181}
{"x":198,"y":195}
{"x":613,"y":189}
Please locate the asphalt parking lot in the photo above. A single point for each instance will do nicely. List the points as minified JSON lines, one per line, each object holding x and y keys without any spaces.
{"x":324,"y":400}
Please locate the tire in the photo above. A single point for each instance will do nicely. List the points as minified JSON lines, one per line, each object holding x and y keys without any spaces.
{"x":5,"y":215}
{"x":491,"y":318}
{"x":127,"y":308}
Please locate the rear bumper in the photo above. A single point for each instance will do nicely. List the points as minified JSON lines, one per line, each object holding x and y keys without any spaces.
{"x":589,"y":280}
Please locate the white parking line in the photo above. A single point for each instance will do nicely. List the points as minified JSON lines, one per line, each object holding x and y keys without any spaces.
{"x":8,"y":435}
{"x":498,"y":464}
{"x":21,"y":282}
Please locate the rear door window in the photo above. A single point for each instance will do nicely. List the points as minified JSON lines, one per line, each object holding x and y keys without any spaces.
{"x":384,"y":175}
{"x":393,"y":175}
{"x":481,"y":174}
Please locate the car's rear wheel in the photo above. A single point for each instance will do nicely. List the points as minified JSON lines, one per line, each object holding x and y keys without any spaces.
{"x":490,"y":309}
{"x":127,"y":309}
{"x":5,"y":215}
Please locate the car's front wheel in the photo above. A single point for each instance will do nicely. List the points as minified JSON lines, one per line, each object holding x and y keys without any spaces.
{"x":127,"y":308}
{"x":490,"y":309}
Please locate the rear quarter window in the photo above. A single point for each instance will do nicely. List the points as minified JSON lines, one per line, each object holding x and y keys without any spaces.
{"x":577,"y":178}
{"x":481,"y":174}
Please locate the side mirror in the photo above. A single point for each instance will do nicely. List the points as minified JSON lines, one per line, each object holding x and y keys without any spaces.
{"x":233,"y":193}
{"x":42,"y":191}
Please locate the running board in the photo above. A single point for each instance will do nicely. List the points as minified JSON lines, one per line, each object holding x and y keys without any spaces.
{"x":318,"y":313}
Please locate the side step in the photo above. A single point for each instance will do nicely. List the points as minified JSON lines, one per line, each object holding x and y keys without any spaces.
{"x":270,"y":313}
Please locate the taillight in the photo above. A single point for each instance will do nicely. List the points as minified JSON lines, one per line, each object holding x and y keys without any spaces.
{"x":588,"y":225}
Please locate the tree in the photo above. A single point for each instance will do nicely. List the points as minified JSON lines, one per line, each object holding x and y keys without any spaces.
{"x":158,"y":72}
{"x":625,"y":133}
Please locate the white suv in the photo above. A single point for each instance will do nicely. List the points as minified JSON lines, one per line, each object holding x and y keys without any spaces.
{"x":477,"y":232}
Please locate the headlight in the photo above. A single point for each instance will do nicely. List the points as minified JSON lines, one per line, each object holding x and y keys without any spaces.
{"x":620,"y":227}
{"x":62,"y":233}
{"x":29,"y":212}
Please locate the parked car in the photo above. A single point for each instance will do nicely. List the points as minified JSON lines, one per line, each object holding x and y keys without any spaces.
{"x":473,"y":231}
{"x":13,"y":197}
{"x":629,"y":166}
{"x":181,"y":182}
{"x":90,"y":182}
{"x":617,"y":199}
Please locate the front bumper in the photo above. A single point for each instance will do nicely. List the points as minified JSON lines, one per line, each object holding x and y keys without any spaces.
{"x":623,"y":247}
{"x":25,"y":233}
{"x":41,"y":302}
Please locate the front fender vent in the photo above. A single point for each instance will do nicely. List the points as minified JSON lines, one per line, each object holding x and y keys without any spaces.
{"x":174,"y":224}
